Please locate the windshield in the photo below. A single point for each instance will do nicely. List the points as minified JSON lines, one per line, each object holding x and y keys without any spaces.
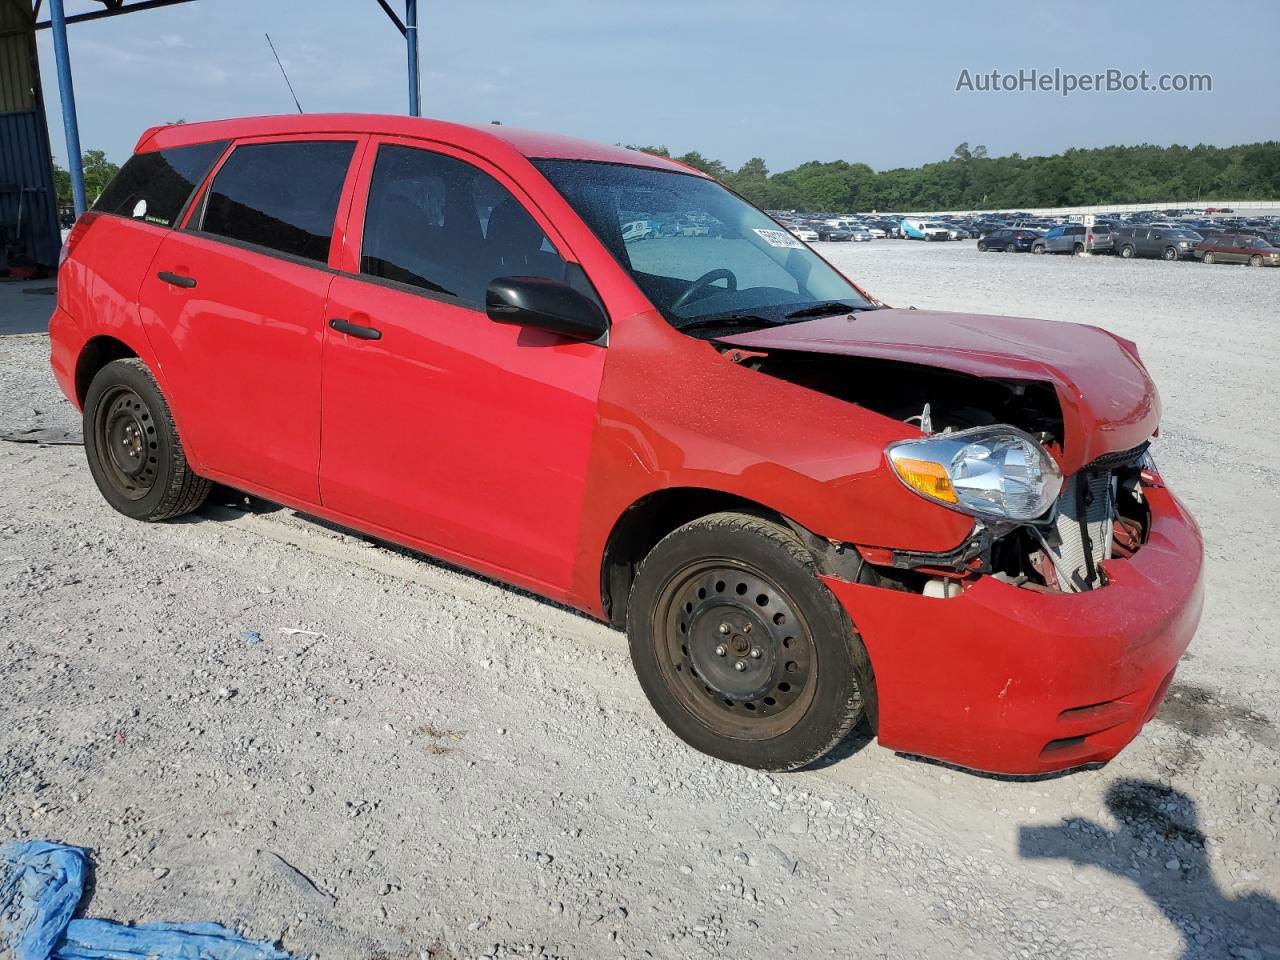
{"x":698,"y":251}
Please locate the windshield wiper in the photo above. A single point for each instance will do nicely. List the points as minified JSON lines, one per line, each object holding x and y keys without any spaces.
{"x":727,"y":320}
{"x":825,"y":309}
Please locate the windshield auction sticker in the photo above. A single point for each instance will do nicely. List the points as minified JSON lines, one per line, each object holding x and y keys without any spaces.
{"x":779,"y":238}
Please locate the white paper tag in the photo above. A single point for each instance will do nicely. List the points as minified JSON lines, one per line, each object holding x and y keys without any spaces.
{"x":779,"y":238}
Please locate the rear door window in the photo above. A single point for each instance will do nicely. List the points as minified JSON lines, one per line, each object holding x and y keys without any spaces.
{"x":281,"y":196}
{"x":442,"y":225}
{"x":154,"y":187}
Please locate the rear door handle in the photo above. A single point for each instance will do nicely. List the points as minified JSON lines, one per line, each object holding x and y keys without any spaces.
{"x":177,"y":279}
{"x":355,"y":329}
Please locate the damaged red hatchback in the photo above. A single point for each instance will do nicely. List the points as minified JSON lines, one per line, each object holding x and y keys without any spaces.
{"x":603,"y":376}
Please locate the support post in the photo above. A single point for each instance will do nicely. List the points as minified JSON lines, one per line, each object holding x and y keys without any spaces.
{"x":411,"y":41}
{"x":67,"y":95}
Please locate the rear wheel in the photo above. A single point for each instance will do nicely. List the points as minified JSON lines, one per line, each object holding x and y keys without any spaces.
{"x":1078,"y":249}
{"x":132,"y":445}
{"x":1010,"y":248}
{"x":742,"y":651}
{"x":1255,"y":261}
{"x":1038,"y":248}
{"x":982,"y":247}
{"x":1209,"y":258}
{"x":1127,"y":252}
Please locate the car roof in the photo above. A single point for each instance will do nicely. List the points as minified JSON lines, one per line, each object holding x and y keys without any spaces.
{"x":482,"y":138}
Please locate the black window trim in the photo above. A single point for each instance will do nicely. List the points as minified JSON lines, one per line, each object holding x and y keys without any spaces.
{"x":376,"y":143}
{"x":196,"y":188}
{"x":195,"y":226}
{"x":202,"y":196}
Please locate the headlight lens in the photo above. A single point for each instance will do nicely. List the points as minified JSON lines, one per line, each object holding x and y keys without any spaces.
{"x":993,"y":472}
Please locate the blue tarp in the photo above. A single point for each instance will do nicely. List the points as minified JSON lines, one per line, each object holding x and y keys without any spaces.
{"x":41,"y":884}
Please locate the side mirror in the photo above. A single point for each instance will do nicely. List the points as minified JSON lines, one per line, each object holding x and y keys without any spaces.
{"x":545,"y":305}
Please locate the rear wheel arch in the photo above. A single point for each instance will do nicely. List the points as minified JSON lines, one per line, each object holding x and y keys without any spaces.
{"x":94,"y":355}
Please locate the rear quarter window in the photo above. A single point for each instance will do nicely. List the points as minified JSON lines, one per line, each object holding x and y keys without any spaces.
{"x":282,"y":196}
{"x":154,"y":187}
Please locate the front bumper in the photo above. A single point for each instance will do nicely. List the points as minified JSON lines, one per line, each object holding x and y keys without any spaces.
{"x":1013,"y":681}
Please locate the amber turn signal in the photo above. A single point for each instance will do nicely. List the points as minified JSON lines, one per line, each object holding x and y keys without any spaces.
{"x":929,"y":478}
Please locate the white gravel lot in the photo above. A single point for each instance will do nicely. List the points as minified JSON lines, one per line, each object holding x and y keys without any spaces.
{"x":444,"y":767}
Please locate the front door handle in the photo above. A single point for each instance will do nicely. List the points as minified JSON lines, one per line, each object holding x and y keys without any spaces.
{"x":355,"y":329}
{"x":177,"y":279}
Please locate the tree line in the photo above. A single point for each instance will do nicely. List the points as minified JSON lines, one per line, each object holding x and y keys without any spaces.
{"x":971,"y":180}
{"x":968,"y":180}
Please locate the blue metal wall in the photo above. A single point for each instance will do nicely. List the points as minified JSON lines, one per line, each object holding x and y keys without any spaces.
{"x":25,"y":162}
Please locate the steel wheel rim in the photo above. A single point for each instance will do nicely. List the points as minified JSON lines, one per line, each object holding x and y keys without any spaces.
{"x":127,"y":445}
{"x":766,"y":632}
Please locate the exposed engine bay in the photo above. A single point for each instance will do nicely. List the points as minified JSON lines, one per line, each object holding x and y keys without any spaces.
{"x":1100,"y":513}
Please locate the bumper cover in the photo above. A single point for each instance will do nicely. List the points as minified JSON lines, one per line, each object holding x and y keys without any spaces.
{"x":1013,"y":681}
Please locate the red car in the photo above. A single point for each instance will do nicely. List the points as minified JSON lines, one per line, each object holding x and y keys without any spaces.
{"x":1239,"y":248}
{"x":805,"y":507}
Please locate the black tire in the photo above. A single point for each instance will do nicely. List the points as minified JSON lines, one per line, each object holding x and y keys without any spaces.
{"x":1209,"y":258}
{"x":1255,"y":261}
{"x":1011,"y":248}
{"x":1170,"y":253}
{"x":1078,"y":249}
{"x":982,"y":247}
{"x":1127,"y":252}
{"x":742,"y":651}
{"x":1038,"y":248}
{"x":133,"y":448}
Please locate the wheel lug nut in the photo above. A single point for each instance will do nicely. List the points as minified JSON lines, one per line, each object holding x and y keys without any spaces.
{"x":746,"y":628}
{"x":755,"y":653}
{"x":740,"y":665}
{"x":721,"y":651}
{"x":724,"y":628}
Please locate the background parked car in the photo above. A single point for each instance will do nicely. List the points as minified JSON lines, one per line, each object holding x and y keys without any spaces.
{"x":1009,"y":240}
{"x":636,"y":230}
{"x":1102,"y":240}
{"x":802,"y":232}
{"x":1065,"y":238}
{"x":1168,"y":243}
{"x":1234,"y":248}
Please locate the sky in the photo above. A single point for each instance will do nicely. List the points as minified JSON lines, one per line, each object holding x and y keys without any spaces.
{"x":789,"y":82}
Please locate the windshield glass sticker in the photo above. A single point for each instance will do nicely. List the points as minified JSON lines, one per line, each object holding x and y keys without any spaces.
{"x":779,"y":238}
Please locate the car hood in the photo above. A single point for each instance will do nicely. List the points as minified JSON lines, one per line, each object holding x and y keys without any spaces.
{"x":1109,"y":403}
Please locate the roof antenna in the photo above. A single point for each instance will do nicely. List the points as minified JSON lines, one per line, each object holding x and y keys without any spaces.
{"x":282,"y":73}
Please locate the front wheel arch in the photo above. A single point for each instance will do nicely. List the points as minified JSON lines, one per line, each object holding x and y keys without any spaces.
{"x":645,"y":523}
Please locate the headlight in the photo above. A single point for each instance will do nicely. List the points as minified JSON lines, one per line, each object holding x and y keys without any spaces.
{"x":990,"y":472}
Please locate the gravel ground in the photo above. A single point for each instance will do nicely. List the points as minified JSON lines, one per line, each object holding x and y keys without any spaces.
{"x":255,"y":718}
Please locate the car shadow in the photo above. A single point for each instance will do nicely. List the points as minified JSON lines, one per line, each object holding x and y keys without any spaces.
{"x":225,"y":504}
{"x":1159,"y":846}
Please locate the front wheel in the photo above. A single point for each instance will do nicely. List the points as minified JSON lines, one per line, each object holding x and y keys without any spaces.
{"x":742,"y":651}
{"x":982,"y":247}
{"x":1038,"y":248}
{"x":1255,"y":261}
{"x":133,"y":448}
{"x":1170,"y":253}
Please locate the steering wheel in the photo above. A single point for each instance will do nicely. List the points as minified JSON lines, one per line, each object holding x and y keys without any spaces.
{"x":708,"y":278}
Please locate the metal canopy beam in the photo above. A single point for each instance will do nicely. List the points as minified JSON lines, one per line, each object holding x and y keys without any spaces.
{"x":115,"y":8}
{"x":408,"y":28}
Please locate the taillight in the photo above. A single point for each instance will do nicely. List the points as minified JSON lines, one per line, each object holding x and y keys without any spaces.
{"x":73,"y":237}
